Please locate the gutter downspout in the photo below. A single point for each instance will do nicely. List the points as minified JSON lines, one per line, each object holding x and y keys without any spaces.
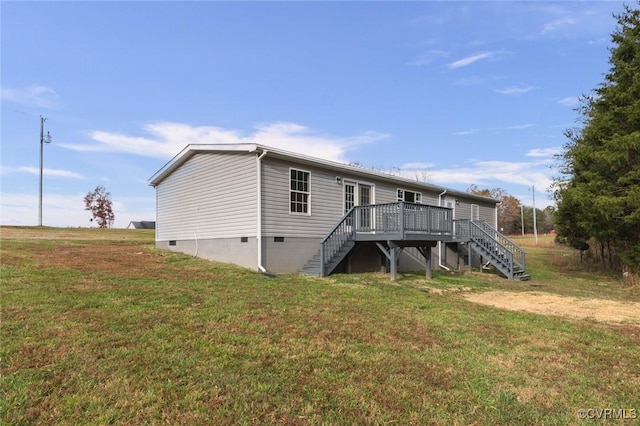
{"x":259,"y":215}
{"x":440,"y":242}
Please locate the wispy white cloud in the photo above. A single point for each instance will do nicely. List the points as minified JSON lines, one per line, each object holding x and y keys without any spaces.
{"x":166,"y":139}
{"x":559,"y":24}
{"x":515,"y":90}
{"x":516,"y":127}
{"x":476,"y":80}
{"x":428,"y":57}
{"x":544,"y":152}
{"x":487,"y":173}
{"x":31,"y":96}
{"x":466,"y":132}
{"x":45,"y":172}
{"x":494,"y":129}
{"x":466,"y":61}
{"x":573,"y":19}
{"x":417,"y":166}
{"x":571,"y":101}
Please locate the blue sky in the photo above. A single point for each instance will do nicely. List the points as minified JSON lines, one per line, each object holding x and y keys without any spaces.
{"x":457,"y":93}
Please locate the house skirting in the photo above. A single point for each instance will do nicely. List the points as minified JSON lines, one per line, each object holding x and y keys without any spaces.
{"x":228,"y":250}
{"x":286,"y":255}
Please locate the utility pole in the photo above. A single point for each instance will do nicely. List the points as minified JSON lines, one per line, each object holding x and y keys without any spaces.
{"x":522,"y":218}
{"x":535,"y":227}
{"x":43,"y":139}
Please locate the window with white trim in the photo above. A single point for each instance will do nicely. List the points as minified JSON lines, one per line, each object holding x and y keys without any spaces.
{"x":299,"y":191}
{"x":475,"y":212}
{"x":409,"y":196}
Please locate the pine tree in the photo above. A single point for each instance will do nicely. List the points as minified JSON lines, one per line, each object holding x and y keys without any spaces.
{"x":601,"y":196}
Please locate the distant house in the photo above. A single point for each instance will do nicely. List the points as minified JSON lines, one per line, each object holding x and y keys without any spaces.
{"x":145,"y":224}
{"x":277,"y":211}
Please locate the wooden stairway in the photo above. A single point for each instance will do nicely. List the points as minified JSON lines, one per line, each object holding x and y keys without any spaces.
{"x":313,"y":265}
{"x":333,"y":248}
{"x":407,"y":224}
{"x":496,"y":248}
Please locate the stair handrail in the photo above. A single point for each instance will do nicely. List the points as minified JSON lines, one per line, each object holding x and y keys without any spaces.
{"x":493,"y":246}
{"x":518,"y":253}
{"x":463,"y":231}
{"x":336,"y":238}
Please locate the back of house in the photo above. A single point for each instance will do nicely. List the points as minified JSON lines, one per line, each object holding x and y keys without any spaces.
{"x":270,"y":210}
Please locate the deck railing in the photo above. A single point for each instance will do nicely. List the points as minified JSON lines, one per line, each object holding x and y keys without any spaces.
{"x":390,"y":221}
{"x":336,"y":239}
{"x":493,"y":240}
{"x":404,"y":217}
{"x":519,"y":255}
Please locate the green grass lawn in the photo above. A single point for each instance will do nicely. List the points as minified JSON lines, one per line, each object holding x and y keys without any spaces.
{"x":99,"y":327}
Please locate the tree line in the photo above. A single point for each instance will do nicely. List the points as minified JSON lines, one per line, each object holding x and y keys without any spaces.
{"x":513,"y":216}
{"x":598,"y":193}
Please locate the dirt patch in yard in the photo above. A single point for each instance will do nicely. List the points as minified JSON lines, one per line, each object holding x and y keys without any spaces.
{"x":552,"y":304}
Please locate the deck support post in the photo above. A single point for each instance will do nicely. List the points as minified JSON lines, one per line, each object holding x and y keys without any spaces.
{"x":394,"y":264}
{"x":392,"y":253}
{"x":426,"y":252}
{"x":470,"y":256}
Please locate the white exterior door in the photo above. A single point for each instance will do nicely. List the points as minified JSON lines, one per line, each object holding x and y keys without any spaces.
{"x":359,"y":194}
{"x":364,"y":199}
{"x":451,"y":203}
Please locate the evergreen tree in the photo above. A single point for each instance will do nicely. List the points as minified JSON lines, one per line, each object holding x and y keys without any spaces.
{"x":600,"y":197}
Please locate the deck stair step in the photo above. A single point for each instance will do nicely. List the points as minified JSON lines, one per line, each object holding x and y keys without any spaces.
{"x":313,"y":265}
{"x":497,"y":250}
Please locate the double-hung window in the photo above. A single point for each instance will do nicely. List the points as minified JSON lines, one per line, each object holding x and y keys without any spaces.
{"x":299,"y":192}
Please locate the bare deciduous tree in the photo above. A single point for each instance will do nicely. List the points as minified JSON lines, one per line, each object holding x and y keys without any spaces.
{"x":98,"y":202}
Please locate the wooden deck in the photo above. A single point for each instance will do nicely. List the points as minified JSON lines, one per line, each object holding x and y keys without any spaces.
{"x":394,"y":226}
{"x":390,"y":226}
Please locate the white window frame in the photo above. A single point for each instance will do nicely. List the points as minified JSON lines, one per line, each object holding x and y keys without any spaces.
{"x":417,"y":196}
{"x":475,"y":208}
{"x":307,"y":193}
{"x":354,"y":202}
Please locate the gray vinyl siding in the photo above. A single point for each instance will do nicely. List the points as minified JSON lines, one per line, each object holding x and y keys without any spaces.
{"x":487,"y":210}
{"x":325,"y":201}
{"x":463,"y":209}
{"x":389,"y":192}
{"x":488,"y":214}
{"x":212,"y":195}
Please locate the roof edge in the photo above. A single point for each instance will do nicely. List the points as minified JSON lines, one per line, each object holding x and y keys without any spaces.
{"x":193,"y":149}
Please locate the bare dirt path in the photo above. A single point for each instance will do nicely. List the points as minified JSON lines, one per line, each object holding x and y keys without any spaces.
{"x":551,"y":304}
